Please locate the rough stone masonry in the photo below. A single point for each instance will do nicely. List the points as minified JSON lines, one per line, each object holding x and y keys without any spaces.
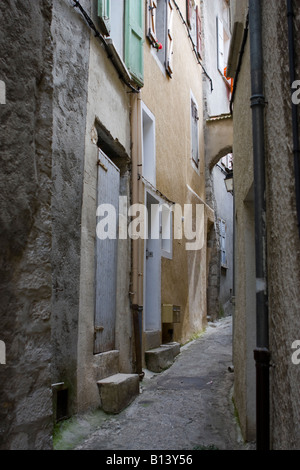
{"x":25,"y":224}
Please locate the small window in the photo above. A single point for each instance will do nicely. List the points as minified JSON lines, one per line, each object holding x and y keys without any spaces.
{"x":166,"y":230}
{"x":160,"y":31}
{"x":117,"y":26}
{"x":123,"y":22}
{"x":148,"y":146}
{"x":223,"y":42}
{"x":195,"y":132}
{"x":222,"y":229}
{"x":194,"y":24}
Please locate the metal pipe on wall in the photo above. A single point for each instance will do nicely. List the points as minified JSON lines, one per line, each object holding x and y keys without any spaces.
{"x":137,"y":248}
{"x":261,"y":352}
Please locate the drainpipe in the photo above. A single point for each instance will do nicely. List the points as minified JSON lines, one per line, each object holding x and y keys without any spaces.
{"x":261,"y":352}
{"x":296,"y":149}
{"x":137,"y":249}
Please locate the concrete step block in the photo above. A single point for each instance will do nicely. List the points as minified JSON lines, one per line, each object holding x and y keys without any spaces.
{"x":175,"y":348}
{"x":159,"y":359}
{"x":118,"y":391}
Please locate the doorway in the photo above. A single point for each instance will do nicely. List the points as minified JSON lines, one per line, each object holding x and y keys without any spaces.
{"x":108,"y":190}
{"x":152,"y":282}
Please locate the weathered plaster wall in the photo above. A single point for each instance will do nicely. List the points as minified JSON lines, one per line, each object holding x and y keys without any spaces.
{"x":283,"y":237}
{"x":25,"y":221}
{"x":169,"y":101}
{"x":282,"y":234}
{"x":108,"y":114}
{"x":70,"y":73}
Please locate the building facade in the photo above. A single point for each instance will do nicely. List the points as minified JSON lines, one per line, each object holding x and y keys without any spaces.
{"x":173,"y":173}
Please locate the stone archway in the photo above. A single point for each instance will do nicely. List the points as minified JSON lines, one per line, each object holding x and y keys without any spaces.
{"x":218,"y":138}
{"x":218,"y":143}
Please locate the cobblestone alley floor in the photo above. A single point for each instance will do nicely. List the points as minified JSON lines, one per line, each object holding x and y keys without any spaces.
{"x":187,"y":407}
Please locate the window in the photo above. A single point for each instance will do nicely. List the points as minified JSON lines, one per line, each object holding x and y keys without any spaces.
{"x":160,"y":30}
{"x":227,"y":162}
{"x":222,"y":230}
{"x":117,"y":26}
{"x":148,"y":145}
{"x":194,"y":23}
{"x":166,"y":230}
{"x":194,"y":131}
{"x":223,"y":42}
{"x":122,"y":20}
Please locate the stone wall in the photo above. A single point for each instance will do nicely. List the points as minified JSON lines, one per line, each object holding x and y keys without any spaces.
{"x":283,"y":236}
{"x":25,"y":224}
{"x":71,"y":37}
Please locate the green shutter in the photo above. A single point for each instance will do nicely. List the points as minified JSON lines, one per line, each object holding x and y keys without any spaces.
{"x":134,"y":27}
{"x":104,"y":14}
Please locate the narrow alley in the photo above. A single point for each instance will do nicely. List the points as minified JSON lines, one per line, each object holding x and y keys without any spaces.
{"x":149,"y":225}
{"x":187,"y":407}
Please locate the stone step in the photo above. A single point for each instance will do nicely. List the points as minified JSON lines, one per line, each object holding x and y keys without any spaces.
{"x":159,"y":359}
{"x":118,"y":391}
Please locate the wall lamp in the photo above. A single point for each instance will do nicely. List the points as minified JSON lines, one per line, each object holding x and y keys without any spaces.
{"x":229,"y":182}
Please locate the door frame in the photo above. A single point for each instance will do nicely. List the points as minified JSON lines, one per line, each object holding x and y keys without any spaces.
{"x":158,"y":326}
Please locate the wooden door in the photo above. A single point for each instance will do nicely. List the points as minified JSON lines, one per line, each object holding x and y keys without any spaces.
{"x":108,"y":187}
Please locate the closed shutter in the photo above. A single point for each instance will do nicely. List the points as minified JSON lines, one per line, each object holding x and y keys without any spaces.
{"x":151,"y":17}
{"x":199,"y":39}
{"x":220,"y":37}
{"x":189,"y":12}
{"x":104,"y":14}
{"x":195,"y":132}
{"x":106,"y":259}
{"x":169,"y":62}
{"x":134,"y":53}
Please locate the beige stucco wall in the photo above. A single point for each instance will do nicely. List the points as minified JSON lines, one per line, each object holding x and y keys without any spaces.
{"x":108,"y":106}
{"x":183,"y":277}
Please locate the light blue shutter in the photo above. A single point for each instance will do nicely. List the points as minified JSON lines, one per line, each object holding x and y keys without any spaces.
{"x":104,"y":13}
{"x":106,"y":260}
{"x":134,"y":26}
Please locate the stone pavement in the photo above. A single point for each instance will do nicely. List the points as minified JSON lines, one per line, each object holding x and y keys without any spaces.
{"x":187,"y":407}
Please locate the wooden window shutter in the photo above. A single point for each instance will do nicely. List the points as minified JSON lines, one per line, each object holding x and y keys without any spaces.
{"x":104,"y":14}
{"x":134,"y":52}
{"x":169,"y":61}
{"x":151,"y":18}
{"x":189,"y":12}
{"x":199,"y":31}
{"x":195,"y":132}
{"x":220,"y":36}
